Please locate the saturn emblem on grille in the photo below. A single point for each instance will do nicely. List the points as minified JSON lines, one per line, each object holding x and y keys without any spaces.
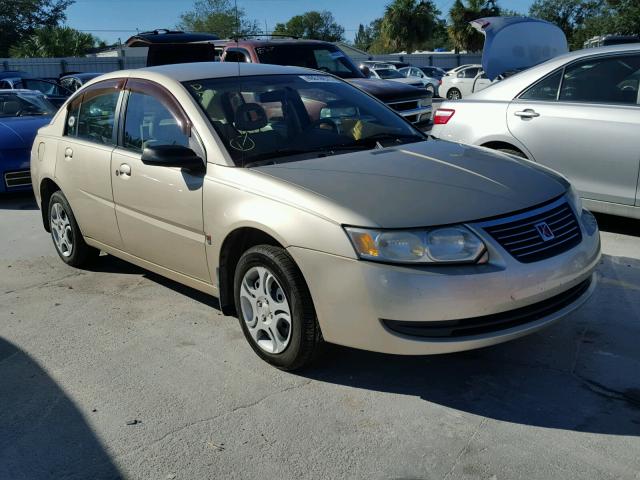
{"x":545,"y":231}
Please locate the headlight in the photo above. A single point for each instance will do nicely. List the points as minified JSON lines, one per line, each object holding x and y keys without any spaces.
{"x":456,"y":244}
{"x":575,"y":199}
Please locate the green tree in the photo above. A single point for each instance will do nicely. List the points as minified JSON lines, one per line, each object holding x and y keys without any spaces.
{"x":312,"y":25}
{"x":55,"y":42}
{"x":463,"y":36}
{"x":20,"y":18}
{"x":569,"y":15}
{"x":408,"y":23}
{"x":219,"y":17}
{"x":364,"y":38}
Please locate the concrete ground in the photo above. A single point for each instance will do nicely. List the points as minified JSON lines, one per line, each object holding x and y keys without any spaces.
{"x":118,"y":373}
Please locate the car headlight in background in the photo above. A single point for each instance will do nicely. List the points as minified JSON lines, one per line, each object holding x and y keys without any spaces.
{"x":455,"y":244}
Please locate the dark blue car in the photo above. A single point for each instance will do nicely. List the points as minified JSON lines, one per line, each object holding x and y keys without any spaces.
{"x":22,"y":113}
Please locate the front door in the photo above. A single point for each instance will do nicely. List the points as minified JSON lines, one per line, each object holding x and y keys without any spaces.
{"x":583,"y":121}
{"x":159,"y":209}
{"x":84,"y":160}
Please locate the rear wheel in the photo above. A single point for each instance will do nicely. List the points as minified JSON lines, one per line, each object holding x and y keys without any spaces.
{"x":66,"y":234}
{"x":454,"y":94}
{"x":275,"y":309}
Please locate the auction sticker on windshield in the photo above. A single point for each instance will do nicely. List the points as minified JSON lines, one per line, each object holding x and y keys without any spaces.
{"x":319,"y":78}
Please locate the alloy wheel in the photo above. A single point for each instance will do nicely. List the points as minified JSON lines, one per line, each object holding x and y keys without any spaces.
{"x":61,"y":230}
{"x":265,"y":310}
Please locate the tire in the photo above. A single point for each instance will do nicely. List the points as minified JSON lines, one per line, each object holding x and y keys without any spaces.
{"x":65,"y":233}
{"x":430,"y":88}
{"x":260,"y":302}
{"x":454,"y":94}
{"x":512,"y":151}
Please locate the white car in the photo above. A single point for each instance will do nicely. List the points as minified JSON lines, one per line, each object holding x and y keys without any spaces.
{"x":460,"y":82}
{"x":577,"y":113}
{"x":430,"y":83}
{"x":391,"y":73}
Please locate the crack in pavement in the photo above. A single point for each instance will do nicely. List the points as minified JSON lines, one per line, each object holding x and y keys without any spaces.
{"x":210,"y":419}
{"x":465,"y":449}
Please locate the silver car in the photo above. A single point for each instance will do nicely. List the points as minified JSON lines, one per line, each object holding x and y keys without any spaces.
{"x":311,"y":210}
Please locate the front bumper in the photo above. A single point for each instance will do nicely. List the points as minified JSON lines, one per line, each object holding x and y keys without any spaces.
{"x":356,"y":300}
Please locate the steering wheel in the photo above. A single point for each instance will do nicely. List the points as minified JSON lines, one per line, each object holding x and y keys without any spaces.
{"x":323,"y":121}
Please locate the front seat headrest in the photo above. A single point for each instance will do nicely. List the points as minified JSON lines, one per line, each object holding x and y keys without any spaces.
{"x":250,"y":117}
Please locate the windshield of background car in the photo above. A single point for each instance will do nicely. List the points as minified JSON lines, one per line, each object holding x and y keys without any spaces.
{"x":24,"y":105}
{"x":388,"y":73}
{"x":279,"y":118}
{"x":327,"y":58}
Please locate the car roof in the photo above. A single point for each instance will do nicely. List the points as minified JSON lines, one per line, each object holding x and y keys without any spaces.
{"x":164,"y":36}
{"x":185,"y":72}
{"x":277,"y":41}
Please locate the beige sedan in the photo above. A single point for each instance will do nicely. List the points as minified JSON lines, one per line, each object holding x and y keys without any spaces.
{"x":311,"y":210}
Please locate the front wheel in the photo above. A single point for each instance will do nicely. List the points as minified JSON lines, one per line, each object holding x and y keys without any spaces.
{"x":275,"y":308}
{"x":66,"y":234}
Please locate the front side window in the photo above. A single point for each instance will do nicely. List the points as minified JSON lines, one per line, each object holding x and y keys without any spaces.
{"x":278,"y":118}
{"x":149,"y":122}
{"x":602,"y":80}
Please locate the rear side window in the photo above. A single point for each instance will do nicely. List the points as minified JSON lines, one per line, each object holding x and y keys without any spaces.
{"x":96,"y":119}
{"x":469,"y":73}
{"x":545,"y":90}
{"x":149,"y":121}
{"x":602,"y":80}
{"x":73,"y":110}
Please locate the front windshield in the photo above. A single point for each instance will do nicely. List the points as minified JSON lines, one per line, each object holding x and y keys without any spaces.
{"x":389,"y":73}
{"x":14,"y":104}
{"x":327,"y":58}
{"x":279,"y":118}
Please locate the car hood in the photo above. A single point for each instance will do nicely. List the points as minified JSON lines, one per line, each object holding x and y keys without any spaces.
{"x":516,"y":43}
{"x":19,"y":132}
{"x":386,"y":90}
{"x":422,"y":184}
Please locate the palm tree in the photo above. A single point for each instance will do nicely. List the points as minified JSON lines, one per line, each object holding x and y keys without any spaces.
{"x":407,"y":24}
{"x":55,"y":42}
{"x":463,"y":36}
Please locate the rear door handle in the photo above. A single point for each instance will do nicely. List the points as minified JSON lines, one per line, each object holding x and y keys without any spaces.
{"x":124,"y":170}
{"x":68,"y":153}
{"x":527,"y":113}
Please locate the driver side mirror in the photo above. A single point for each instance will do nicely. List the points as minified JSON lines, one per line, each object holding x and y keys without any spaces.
{"x":365,"y":71}
{"x":172,"y":156}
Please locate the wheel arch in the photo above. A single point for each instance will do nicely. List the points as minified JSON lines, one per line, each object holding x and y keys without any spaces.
{"x":500,"y":144}
{"x":47,"y":188}
{"x":233,"y":246}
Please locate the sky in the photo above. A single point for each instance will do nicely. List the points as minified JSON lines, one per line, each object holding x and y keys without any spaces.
{"x":113,"y":19}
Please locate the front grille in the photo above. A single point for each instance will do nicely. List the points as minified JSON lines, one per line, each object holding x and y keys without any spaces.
{"x":538,"y":236}
{"x":402,"y":106}
{"x":489,"y":323}
{"x":17,"y":179}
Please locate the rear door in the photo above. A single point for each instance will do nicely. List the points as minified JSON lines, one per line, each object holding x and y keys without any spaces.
{"x":84,"y":160}
{"x":583,"y":120}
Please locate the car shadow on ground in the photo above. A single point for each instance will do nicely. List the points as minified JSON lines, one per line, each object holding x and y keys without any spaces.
{"x":580,"y":374}
{"x":43,"y":434}
{"x":620,"y":225}
{"x":18,"y":201}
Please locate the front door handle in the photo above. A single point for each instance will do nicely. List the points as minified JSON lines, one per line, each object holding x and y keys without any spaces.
{"x":527,"y":113}
{"x":124,"y":170}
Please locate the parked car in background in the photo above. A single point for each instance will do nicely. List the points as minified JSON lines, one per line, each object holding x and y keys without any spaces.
{"x":458,"y":83}
{"x":22,"y":113}
{"x":311,"y":211}
{"x":374,"y":64}
{"x":578,"y":113}
{"x":395,"y":76}
{"x":412,"y":103}
{"x":52,"y":90}
{"x":74,"y":81}
{"x":430,"y":83}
